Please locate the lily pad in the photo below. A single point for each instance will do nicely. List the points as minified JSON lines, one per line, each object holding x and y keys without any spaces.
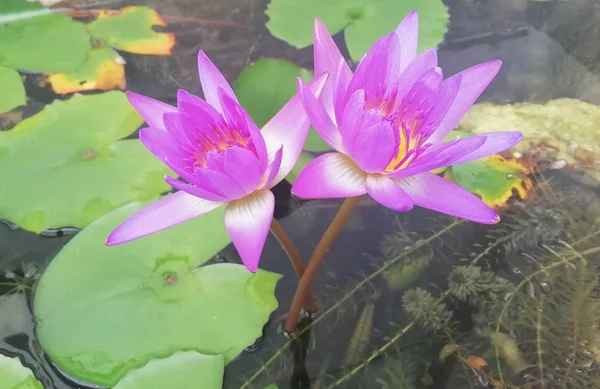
{"x":103,"y":69}
{"x":363,"y":21}
{"x":47,"y":43}
{"x":493,"y":178}
{"x":266,"y":85}
{"x":66,"y":166}
{"x":13,"y":91}
{"x":15,"y":375}
{"x":102,"y":311}
{"x":13,"y":10}
{"x":130,"y":29}
{"x":182,"y":370}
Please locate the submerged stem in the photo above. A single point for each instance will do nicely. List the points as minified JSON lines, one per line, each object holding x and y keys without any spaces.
{"x":293,"y":254}
{"x":329,"y":237}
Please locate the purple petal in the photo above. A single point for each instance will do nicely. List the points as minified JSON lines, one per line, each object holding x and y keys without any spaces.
{"x":188,"y":104}
{"x":167,"y":212}
{"x":373,"y":147}
{"x":423,"y":63}
{"x":495,"y":142}
{"x":341,"y":83}
{"x":243,"y":167}
{"x":218,"y":182}
{"x":272,"y":169}
{"x":352,"y":117}
{"x":441,"y":155}
{"x":473,"y":82}
{"x":430,"y":191}
{"x":211,"y":80}
{"x":288,"y":129}
{"x":319,"y":118}
{"x":328,"y":59}
{"x":159,"y":143}
{"x":408,"y":32}
{"x":388,"y":193}
{"x":247,"y":221}
{"x":332,"y":175}
{"x":194,"y":190}
{"x":149,"y":109}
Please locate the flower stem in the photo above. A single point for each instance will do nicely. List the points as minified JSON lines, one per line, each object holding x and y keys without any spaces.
{"x":329,"y":237}
{"x":293,"y":254}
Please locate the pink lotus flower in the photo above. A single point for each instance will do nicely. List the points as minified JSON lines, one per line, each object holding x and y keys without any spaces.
{"x":224,"y":157}
{"x":387,"y":123}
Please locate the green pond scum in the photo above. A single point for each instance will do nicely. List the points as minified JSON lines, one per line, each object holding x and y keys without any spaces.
{"x":385,"y":267}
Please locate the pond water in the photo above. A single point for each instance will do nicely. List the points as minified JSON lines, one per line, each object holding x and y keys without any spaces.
{"x":533,"y":318}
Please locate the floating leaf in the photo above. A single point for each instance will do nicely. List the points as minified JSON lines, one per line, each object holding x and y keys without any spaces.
{"x":130,"y":30}
{"x":66,"y":166}
{"x":102,"y":311}
{"x":476,"y":362}
{"x":266,"y":85}
{"x":13,"y":91}
{"x":47,"y":43}
{"x":363,"y":21}
{"x":402,"y":275}
{"x":13,"y":10}
{"x":492,"y":178}
{"x":182,"y":370}
{"x":102,"y":70}
{"x":15,"y":376}
{"x":304,"y":159}
{"x":447,"y":350}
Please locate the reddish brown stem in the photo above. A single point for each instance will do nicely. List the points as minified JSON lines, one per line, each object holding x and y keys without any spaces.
{"x":293,"y":254}
{"x":329,"y":237}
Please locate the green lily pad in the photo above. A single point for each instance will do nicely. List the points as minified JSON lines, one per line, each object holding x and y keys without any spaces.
{"x":65,"y":166}
{"x":493,"y":178}
{"x":13,"y":91}
{"x":13,"y":10}
{"x":47,"y":43}
{"x":363,"y":21}
{"x":266,"y":85}
{"x":131,"y":30}
{"x":182,"y":370}
{"x":102,"y":311}
{"x":15,"y":376}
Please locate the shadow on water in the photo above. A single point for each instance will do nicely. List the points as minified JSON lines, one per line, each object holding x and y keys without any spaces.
{"x":365,"y":336}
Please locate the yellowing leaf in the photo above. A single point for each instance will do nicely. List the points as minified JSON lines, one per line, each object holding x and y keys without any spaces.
{"x":493,"y":178}
{"x":447,"y":350}
{"x":476,"y":362}
{"x":100,"y":71}
{"x":131,"y":30}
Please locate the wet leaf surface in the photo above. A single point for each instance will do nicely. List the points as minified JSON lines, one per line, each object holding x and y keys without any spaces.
{"x":182,"y":370}
{"x":13,"y":91}
{"x":66,"y":165}
{"x":363,"y":21}
{"x":15,"y":376}
{"x":102,"y":311}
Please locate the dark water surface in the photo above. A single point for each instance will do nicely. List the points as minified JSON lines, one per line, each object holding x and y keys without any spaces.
{"x":549,"y":50}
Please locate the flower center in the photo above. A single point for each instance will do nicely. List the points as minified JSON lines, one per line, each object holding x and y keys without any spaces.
{"x":219,"y":141}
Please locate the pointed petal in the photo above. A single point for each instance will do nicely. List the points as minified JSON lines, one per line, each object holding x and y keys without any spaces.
{"x":340,"y":86}
{"x":408,"y":32}
{"x":441,"y":155}
{"x":328,"y":59}
{"x":430,"y":191}
{"x":159,"y":143}
{"x":353,"y":115}
{"x":423,"y":63}
{"x":388,"y":193}
{"x":272,"y":169}
{"x":332,"y":175}
{"x":288,"y":129}
{"x":211,"y":80}
{"x":247,"y":221}
{"x":164,"y":213}
{"x":218,"y":182}
{"x":373,"y":147}
{"x":243,"y":167}
{"x":473,"y":82}
{"x":495,"y":142}
{"x":149,"y":109}
{"x":194,"y":190}
{"x":319,"y":118}
{"x":188,"y":104}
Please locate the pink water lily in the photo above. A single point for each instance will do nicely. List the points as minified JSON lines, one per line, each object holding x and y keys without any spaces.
{"x":225,"y":159}
{"x":387,"y":123}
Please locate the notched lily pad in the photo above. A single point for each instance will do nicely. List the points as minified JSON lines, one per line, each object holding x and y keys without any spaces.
{"x":182,"y":370}
{"x":13,"y":375}
{"x":102,"y":311}
{"x":363,"y":21}
{"x":495,"y":179}
{"x":66,"y":166}
{"x":130,"y":29}
{"x":103,"y":69}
